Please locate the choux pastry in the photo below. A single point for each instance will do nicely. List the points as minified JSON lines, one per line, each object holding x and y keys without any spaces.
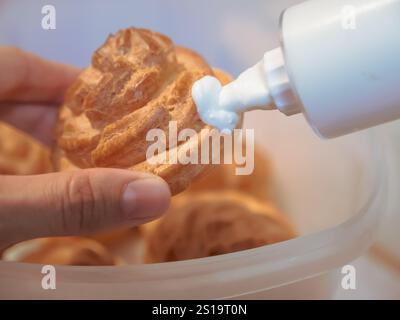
{"x":214,"y":223}
{"x":138,"y":80}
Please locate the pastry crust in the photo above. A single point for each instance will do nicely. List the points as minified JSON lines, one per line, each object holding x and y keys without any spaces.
{"x":74,"y":251}
{"x":207,"y":224}
{"x":20,"y":154}
{"x":138,"y":80}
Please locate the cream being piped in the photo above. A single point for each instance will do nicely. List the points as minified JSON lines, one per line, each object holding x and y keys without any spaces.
{"x":263,"y":86}
{"x":332,"y":71}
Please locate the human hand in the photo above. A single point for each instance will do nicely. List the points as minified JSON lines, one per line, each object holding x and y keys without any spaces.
{"x":67,"y":203}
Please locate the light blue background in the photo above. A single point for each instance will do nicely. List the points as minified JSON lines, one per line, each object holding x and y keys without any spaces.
{"x":230,"y":34}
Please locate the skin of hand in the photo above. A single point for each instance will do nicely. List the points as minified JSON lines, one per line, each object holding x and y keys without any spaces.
{"x":65,"y":203}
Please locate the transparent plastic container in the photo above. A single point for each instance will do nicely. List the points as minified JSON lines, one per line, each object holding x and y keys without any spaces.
{"x":334,"y":191}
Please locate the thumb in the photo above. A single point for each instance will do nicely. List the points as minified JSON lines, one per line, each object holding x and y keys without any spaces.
{"x":76,"y":202}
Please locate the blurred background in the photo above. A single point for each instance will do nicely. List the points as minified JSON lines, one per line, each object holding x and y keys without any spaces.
{"x":231,"y":35}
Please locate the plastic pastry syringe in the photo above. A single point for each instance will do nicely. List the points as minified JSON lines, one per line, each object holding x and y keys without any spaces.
{"x":338,"y":64}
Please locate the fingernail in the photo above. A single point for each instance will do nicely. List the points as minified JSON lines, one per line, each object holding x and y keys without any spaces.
{"x":145,"y":199}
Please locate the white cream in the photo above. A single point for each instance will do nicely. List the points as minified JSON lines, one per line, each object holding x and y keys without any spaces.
{"x":206,"y":94}
{"x":262,"y":86}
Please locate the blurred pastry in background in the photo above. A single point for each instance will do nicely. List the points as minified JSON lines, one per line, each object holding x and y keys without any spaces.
{"x":213,"y":223}
{"x":224,"y":177}
{"x":114,"y":237}
{"x":138,"y":80}
{"x":73,"y":251}
{"x":20,"y":154}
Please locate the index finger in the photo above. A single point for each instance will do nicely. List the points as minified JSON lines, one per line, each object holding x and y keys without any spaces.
{"x":25,"y":77}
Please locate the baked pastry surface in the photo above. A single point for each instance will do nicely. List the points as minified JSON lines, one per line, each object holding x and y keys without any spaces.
{"x":138,"y":80}
{"x":208,"y":224}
